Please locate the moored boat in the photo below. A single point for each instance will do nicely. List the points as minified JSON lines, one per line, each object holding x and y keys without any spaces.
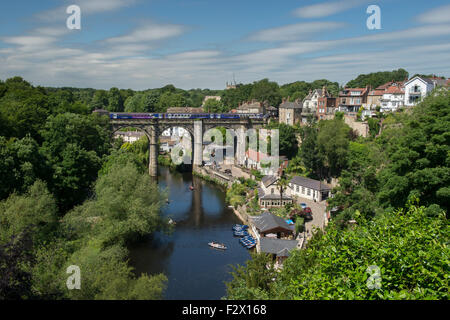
{"x":217,"y":245}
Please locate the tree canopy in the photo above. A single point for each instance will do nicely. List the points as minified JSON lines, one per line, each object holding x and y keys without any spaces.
{"x":376,"y":79}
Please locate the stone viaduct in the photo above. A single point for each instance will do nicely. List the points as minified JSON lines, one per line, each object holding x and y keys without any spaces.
{"x":196,"y":127}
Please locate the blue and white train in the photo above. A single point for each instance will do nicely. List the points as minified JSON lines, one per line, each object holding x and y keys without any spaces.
{"x":124,"y":115}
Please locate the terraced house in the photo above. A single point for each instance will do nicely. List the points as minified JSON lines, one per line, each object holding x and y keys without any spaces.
{"x":351,"y":99}
{"x":290,"y":112}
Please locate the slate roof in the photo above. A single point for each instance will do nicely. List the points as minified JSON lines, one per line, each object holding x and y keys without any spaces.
{"x":269,"y":180}
{"x":270,"y":196}
{"x":309,"y":183}
{"x":291,"y":105}
{"x":267,"y":221}
{"x":417,"y":77}
{"x":280,"y":247}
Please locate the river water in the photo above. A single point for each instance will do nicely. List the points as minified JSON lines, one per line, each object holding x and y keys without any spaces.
{"x":194,"y":270}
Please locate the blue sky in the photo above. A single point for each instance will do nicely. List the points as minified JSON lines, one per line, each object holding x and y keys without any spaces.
{"x":143,"y":44}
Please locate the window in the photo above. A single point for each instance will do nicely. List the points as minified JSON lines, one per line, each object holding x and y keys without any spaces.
{"x":303,"y":190}
{"x":309,"y":192}
{"x":271,"y":191}
{"x":297,"y":188}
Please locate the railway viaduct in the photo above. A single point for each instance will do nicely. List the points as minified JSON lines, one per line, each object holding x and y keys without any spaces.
{"x":152,"y":128}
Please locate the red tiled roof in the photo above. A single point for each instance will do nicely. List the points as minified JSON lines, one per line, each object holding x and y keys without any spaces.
{"x":394,"y":90}
{"x":390,"y":84}
{"x":376,"y":93}
{"x":350,"y":90}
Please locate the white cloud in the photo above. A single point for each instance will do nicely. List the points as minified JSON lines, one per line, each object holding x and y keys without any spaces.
{"x":29,"y":41}
{"x":295,"y":31}
{"x":436,"y":15}
{"x":149,"y":32}
{"x":327,"y":8}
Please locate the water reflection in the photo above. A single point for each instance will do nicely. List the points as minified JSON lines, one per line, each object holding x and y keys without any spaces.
{"x":195,"y":271}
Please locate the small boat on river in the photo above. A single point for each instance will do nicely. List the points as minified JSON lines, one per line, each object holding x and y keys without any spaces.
{"x":217,"y":245}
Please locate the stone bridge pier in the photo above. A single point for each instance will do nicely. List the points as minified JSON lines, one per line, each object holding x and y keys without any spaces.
{"x":153,"y":134}
{"x":198,"y":143}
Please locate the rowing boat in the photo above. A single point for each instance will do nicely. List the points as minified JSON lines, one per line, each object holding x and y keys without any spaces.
{"x":217,"y":245}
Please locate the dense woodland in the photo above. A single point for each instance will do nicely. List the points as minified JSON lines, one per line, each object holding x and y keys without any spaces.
{"x":69,"y":196}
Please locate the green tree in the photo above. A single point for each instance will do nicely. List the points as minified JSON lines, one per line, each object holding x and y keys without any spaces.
{"x":21,"y":163}
{"x":74,"y":146}
{"x":33,"y":211}
{"x":332,"y":142}
{"x":135,"y":103}
{"x":265,"y":90}
{"x":214,"y":106}
{"x":309,"y":150}
{"x":378,"y":78}
{"x":252,"y":281}
{"x":100,"y":100}
{"x":115,"y":101}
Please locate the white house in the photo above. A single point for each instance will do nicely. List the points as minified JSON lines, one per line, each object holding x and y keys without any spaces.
{"x":392,"y":98}
{"x":269,"y":193}
{"x":166,"y":144}
{"x":312,"y":99}
{"x":129,"y":136}
{"x":176,"y":132}
{"x":308,"y":188}
{"x":416,"y":89}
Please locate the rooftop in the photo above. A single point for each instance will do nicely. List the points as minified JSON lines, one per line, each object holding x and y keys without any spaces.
{"x":267,"y":221}
{"x":269,"y":180}
{"x":291,"y":105}
{"x":309,"y":183}
{"x":280,"y":247}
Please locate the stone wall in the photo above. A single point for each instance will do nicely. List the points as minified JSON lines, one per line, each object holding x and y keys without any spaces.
{"x":362,"y":128}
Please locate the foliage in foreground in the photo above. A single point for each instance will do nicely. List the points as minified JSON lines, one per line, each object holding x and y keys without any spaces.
{"x":409,"y":248}
{"x":92,"y":236}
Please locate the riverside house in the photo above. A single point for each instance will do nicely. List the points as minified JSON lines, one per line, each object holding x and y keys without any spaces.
{"x":271,"y":226}
{"x":280,"y":249}
{"x":269,"y":193}
{"x":308,"y":188}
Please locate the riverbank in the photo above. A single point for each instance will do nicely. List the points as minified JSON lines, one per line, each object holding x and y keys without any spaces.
{"x":203,"y":174}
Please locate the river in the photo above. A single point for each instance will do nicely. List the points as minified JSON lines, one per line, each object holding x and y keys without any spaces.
{"x":194,"y":270}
